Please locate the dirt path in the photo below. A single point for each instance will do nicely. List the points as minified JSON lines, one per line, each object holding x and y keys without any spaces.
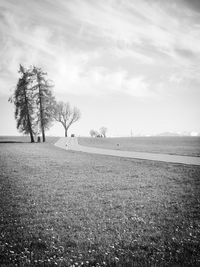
{"x":72,"y":144}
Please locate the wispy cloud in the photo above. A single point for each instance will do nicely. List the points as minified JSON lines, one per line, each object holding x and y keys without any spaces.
{"x":93,"y":47}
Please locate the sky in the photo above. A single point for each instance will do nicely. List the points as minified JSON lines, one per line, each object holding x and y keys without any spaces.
{"x":132,"y":66}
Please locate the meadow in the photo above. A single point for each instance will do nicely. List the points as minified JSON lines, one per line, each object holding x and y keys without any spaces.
{"x":187,"y":146}
{"x":65,"y":208}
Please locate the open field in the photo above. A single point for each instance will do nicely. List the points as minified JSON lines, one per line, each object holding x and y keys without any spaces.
{"x":60,"y":208}
{"x":189,"y":146}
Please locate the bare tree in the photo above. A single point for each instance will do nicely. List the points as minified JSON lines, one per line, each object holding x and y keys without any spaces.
{"x":92,"y":133}
{"x":103,"y":131}
{"x":64,"y":114}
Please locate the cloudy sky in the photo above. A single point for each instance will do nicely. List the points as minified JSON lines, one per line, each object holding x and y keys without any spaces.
{"x":126,"y":64}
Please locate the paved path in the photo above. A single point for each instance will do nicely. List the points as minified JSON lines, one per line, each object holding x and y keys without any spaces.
{"x":72,"y":144}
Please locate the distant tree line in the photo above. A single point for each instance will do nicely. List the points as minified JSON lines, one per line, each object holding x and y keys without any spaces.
{"x":35,"y":105}
{"x":102,"y":132}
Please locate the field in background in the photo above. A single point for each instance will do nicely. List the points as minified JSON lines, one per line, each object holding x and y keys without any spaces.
{"x":68,"y":208}
{"x":189,"y":146}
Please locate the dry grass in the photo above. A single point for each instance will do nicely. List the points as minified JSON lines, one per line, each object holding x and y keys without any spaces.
{"x":189,"y":146}
{"x":62,"y":208}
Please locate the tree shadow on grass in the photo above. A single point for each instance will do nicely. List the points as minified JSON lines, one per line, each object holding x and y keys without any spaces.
{"x":13,"y":142}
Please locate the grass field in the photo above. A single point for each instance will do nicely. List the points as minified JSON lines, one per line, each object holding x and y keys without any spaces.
{"x":64,"y":208}
{"x":189,"y":146}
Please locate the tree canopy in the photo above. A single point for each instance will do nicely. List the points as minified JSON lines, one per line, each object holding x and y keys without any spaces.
{"x":44,"y":98}
{"x":24,"y":104}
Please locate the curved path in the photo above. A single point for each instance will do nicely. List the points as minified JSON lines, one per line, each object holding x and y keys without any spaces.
{"x":71,"y":143}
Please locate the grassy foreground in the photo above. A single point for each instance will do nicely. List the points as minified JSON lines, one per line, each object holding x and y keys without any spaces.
{"x":62,"y":208}
{"x":186,"y":146}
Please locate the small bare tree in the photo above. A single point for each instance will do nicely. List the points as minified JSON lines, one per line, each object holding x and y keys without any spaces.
{"x":103,"y":131}
{"x":92,"y":133}
{"x":64,"y":114}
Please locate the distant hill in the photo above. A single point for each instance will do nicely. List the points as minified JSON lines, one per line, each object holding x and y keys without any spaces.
{"x":168,"y":134}
{"x":178,"y":134}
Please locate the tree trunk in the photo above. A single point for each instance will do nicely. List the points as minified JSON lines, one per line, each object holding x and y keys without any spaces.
{"x":43,"y":135}
{"x":28,"y":117}
{"x":41,"y":111}
{"x":66,"y":129}
{"x":32,"y":138}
